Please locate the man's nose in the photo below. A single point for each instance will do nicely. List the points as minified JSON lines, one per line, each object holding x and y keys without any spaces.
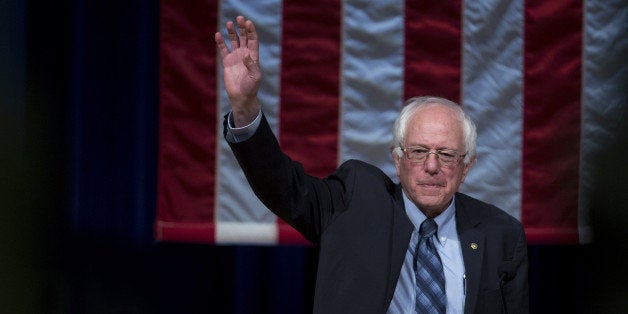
{"x":432,"y":164}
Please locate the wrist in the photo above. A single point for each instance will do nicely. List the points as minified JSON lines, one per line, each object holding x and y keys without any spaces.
{"x":245,"y":113}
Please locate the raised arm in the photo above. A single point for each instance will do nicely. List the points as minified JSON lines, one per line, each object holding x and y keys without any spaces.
{"x":241,"y":69}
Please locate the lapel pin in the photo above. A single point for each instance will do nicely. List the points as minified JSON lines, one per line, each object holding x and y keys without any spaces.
{"x":474,"y":246}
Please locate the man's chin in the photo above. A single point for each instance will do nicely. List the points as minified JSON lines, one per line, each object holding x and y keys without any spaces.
{"x":431,"y":193}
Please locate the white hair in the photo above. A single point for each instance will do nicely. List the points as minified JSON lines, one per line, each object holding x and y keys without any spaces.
{"x":415,"y":104}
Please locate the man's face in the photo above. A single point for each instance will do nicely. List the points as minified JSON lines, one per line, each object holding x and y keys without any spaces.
{"x":428,"y":184}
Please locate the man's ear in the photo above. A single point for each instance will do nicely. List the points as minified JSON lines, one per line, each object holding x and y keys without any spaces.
{"x":466,"y":169}
{"x":397,"y":160}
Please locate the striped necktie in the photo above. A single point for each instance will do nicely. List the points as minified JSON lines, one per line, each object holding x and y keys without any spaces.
{"x":428,"y":270}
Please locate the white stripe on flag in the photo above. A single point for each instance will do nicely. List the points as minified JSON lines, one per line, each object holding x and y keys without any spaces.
{"x":237,"y":208}
{"x":372,"y":81}
{"x":246,"y":232}
{"x":492,"y":93}
{"x":605,"y":95}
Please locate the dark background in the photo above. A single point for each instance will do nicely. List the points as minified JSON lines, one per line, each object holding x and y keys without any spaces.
{"x":77,"y":223}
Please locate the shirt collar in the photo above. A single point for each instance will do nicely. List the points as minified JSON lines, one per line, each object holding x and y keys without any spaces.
{"x":445,"y":220}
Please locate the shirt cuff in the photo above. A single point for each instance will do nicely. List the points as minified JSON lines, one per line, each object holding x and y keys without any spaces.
{"x":236,"y":135}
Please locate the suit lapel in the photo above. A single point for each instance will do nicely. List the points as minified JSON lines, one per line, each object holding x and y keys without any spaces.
{"x":400,"y":238}
{"x":473,"y":243}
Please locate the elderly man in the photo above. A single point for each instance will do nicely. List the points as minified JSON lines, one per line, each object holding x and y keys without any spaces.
{"x":417,"y":246}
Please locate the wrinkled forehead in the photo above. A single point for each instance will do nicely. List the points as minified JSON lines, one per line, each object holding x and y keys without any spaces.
{"x":436,"y":125}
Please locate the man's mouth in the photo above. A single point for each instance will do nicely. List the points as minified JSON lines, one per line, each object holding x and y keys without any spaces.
{"x":431,"y":184}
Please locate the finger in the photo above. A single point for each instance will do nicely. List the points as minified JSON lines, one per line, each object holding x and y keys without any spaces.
{"x":220,"y":43}
{"x":252,"y":40}
{"x":242,"y":30}
{"x":233,"y":36}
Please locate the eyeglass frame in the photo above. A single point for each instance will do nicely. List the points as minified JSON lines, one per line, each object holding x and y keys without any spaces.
{"x":438,"y":153}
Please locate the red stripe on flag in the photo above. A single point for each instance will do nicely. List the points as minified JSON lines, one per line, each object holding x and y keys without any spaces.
{"x":310,"y":96}
{"x":433,"y":48}
{"x":185,"y":232}
{"x":551,"y":137}
{"x":310,"y":69}
{"x":187,"y":100}
{"x":286,"y":235}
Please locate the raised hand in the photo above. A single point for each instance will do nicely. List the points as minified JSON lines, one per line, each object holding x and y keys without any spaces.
{"x":241,"y":70}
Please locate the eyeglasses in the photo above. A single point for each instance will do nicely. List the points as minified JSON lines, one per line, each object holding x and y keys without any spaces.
{"x":447,"y":157}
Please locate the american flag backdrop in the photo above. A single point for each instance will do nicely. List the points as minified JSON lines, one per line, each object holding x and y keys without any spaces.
{"x":540,"y":78}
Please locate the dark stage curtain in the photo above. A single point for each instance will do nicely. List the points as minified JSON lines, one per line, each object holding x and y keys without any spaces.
{"x":81,"y":85}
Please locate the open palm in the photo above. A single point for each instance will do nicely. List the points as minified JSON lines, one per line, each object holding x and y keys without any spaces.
{"x":241,"y":68}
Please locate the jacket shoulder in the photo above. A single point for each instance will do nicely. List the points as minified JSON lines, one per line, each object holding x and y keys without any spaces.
{"x":479,"y":211}
{"x":363,"y":173}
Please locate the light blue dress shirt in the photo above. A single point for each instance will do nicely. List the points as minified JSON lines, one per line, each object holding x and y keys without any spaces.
{"x":450,"y":252}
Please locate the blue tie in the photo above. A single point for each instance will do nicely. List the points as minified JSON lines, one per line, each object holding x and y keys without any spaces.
{"x":428,"y":270}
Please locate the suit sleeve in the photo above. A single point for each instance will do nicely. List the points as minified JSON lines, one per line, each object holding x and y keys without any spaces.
{"x":305,"y":202}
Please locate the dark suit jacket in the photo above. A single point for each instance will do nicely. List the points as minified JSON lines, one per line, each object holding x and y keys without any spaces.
{"x":356,"y":217}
